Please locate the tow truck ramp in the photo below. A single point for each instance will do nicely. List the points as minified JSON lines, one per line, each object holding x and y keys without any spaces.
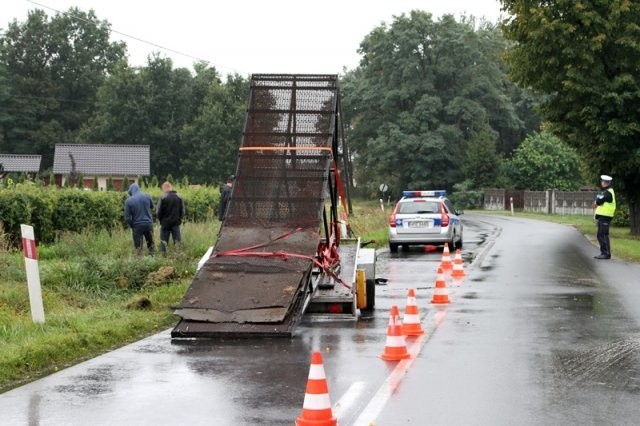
{"x":278,"y":252}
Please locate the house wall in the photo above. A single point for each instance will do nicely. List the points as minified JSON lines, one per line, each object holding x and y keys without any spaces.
{"x":102,"y":181}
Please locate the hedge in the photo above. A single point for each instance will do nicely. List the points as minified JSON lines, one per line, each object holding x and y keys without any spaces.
{"x":52,"y":210}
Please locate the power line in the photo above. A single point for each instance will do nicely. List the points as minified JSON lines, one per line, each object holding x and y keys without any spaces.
{"x":129,"y":36}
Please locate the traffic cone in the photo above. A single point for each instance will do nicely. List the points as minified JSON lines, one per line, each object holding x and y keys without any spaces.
{"x":440,"y":295}
{"x":411,"y":323}
{"x":446,"y":257}
{"x":458,"y":270}
{"x":398,"y":319}
{"x":316,"y":409}
{"x":396,"y":347}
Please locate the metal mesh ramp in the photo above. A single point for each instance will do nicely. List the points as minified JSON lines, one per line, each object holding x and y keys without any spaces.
{"x":283,"y":173}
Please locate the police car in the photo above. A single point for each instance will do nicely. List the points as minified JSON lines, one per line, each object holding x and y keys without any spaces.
{"x":424,"y":217}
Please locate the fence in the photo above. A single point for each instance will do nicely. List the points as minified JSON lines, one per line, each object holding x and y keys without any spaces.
{"x":550,"y":202}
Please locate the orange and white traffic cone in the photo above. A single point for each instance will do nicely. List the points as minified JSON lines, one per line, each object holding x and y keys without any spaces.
{"x":411,"y":322}
{"x":316,"y":409}
{"x":458,"y":269}
{"x":446,"y":263}
{"x":440,"y":295}
{"x":396,"y":347}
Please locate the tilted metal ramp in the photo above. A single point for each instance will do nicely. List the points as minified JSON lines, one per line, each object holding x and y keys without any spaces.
{"x":258,"y":279}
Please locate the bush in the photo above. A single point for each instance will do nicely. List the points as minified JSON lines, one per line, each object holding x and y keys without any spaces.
{"x":621,"y":217}
{"x":464,"y":197}
{"x":80,"y":210}
{"x":51,"y":210}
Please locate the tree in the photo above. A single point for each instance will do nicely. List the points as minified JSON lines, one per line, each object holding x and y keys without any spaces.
{"x":422,"y":91}
{"x":6,"y":115}
{"x":544,"y":162}
{"x":482,"y":163}
{"x":584,"y":57}
{"x":53,"y":70}
{"x":159,"y":106}
{"x":80,"y":181}
{"x":211,"y":141}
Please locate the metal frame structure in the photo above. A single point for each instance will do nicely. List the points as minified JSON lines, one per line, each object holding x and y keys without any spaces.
{"x":280,"y":239}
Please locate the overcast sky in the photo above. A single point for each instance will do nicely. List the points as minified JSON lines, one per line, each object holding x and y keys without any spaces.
{"x":250,"y":36}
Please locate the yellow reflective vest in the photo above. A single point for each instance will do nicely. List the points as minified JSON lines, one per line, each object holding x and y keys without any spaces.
{"x":607,"y":209}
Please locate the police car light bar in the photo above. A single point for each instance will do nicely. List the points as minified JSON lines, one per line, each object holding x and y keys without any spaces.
{"x":433,"y":193}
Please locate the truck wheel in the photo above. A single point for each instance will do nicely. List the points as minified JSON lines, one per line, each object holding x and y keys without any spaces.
{"x":393,"y":248}
{"x":371,"y":295}
{"x":459,"y":243}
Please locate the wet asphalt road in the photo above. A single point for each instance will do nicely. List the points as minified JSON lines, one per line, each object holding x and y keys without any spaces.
{"x":538,"y":333}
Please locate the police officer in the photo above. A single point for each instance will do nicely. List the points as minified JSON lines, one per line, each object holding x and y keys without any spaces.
{"x":605,"y":208}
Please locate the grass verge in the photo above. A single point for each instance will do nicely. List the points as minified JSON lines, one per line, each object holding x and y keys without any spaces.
{"x":97,"y":296}
{"x":623,"y":245}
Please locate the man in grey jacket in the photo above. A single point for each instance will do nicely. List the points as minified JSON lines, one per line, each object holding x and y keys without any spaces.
{"x":137,"y":213}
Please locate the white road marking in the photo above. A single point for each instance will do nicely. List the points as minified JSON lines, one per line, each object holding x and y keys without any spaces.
{"x":371,"y":412}
{"x":348,"y":399}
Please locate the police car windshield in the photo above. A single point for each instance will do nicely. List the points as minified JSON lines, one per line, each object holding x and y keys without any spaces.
{"x":419,"y":207}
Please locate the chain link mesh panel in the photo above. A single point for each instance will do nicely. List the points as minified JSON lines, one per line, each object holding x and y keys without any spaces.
{"x":279,"y":182}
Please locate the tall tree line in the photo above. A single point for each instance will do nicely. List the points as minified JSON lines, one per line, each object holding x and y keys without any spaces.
{"x":431,"y":105}
{"x":63,"y":81}
{"x":583,"y":56}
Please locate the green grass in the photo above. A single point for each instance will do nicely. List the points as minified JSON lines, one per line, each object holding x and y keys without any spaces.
{"x":623,"y":245}
{"x":370,"y":223}
{"x":97,"y":296}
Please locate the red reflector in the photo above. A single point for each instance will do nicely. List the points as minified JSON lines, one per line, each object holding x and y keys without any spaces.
{"x":335,"y":308}
{"x":444,"y":217}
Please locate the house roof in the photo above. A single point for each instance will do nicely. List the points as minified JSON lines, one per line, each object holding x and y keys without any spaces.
{"x":20,"y":163}
{"x":104,"y":160}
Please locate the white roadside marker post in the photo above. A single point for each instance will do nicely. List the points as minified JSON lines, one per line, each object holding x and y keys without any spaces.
{"x":33,"y":273}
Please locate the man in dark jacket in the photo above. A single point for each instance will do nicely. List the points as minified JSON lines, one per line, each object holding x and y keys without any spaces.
{"x":170,"y":212}
{"x":137,"y":213}
{"x":225,"y":195}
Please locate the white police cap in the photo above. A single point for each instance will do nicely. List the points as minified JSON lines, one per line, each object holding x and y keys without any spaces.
{"x":606,"y":178}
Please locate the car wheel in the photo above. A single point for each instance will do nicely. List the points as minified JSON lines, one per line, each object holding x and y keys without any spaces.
{"x":459,"y":243}
{"x":393,"y":248}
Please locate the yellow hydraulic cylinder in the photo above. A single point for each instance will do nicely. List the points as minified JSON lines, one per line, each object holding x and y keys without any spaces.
{"x":361,"y":289}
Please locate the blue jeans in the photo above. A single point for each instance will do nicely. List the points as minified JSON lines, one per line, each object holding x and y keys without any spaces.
{"x":145,"y":231}
{"x":170,"y":231}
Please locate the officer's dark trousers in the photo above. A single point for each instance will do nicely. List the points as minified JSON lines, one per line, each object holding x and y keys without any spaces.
{"x":603,"y":235}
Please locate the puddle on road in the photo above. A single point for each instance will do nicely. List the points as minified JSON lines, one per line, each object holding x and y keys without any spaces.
{"x":470,"y":295}
{"x":576,"y":302}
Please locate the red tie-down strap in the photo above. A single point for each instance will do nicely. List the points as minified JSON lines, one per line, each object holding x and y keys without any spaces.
{"x":327,"y":260}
